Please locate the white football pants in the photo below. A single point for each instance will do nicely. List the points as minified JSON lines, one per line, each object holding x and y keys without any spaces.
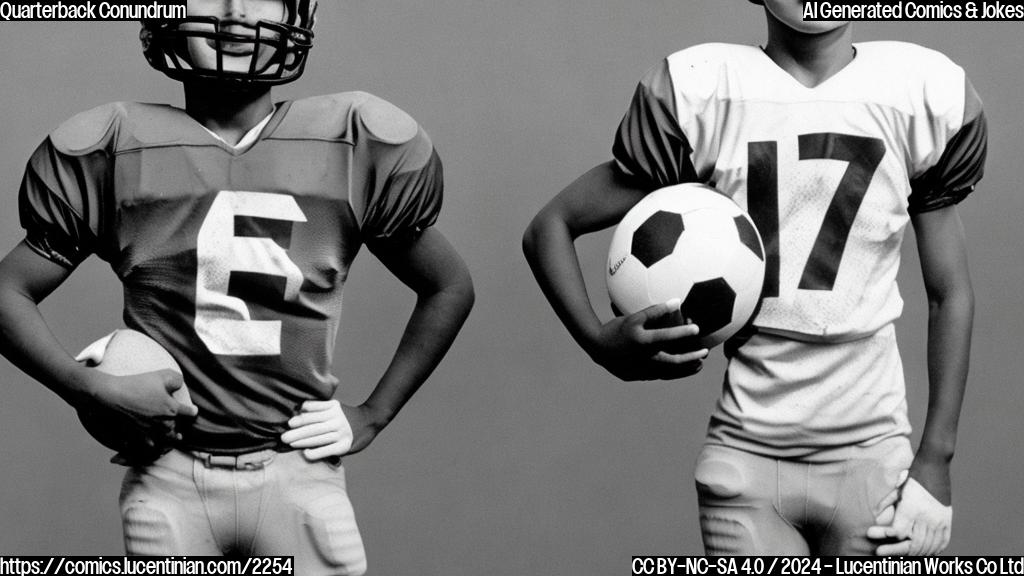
{"x":753,"y":505}
{"x":264,"y":503}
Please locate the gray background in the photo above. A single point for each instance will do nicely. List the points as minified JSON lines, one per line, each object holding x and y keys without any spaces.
{"x":519,"y":456}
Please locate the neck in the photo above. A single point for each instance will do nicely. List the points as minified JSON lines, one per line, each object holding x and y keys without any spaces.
{"x":228,"y":113}
{"x":809,"y":58}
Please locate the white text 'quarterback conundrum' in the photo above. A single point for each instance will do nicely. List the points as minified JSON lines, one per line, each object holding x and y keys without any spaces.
{"x":90,"y":11}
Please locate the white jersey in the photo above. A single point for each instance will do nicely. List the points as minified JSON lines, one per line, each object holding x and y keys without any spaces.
{"x":830,"y":175}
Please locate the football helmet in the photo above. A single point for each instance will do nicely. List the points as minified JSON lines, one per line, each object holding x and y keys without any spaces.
{"x":267,"y":53}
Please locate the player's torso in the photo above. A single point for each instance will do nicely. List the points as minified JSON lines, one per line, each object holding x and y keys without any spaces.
{"x":235,"y":261}
{"x":272,"y":223}
{"x":825,"y":173}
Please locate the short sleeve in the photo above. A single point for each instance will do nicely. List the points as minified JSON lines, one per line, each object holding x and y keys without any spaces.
{"x":961,"y":164}
{"x":650,"y":145}
{"x":59,"y":202}
{"x":403,"y":184}
{"x":409,"y":198}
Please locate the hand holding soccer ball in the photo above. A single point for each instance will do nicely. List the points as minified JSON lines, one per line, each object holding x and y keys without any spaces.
{"x":649,"y":345}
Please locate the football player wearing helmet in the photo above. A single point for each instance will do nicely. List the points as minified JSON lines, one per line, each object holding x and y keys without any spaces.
{"x":833,"y":147}
{"x":267,"y":47}
{"x":232,"y":224}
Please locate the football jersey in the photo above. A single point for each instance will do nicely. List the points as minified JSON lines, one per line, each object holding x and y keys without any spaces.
{"x":830,"y":175}
{"x":234,"y":259}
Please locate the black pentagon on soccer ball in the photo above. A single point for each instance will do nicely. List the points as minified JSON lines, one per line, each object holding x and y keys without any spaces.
{"x":709,"y":305}
{"x":748,"y":235}
{"x":656,"y":238}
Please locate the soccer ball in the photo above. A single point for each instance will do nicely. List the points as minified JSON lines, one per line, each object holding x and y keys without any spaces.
{"x":125,"y":352}
{"x":690,"y":242}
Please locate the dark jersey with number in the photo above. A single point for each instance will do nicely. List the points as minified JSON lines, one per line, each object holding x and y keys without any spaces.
{"x":234,"y":261}
{"x":831,"y":176}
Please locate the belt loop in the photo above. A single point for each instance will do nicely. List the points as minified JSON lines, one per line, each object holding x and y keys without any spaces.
{"x":218,"y":461}
{"x":203,"y":457}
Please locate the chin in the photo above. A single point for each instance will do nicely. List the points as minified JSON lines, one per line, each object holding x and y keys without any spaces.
{"x":817,"y":27}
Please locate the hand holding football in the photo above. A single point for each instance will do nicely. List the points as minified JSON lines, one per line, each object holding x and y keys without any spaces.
{"x":131,"y":353}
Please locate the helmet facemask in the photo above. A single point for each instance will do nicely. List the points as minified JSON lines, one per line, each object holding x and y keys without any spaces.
{"x":241,"y":54}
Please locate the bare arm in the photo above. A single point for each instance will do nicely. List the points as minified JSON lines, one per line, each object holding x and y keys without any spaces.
{"x":942,"y":248}
{"x":26,"y":279}
{"x":444,"y":296}
{"x":597,"y":200}
{"x":920,"y":523}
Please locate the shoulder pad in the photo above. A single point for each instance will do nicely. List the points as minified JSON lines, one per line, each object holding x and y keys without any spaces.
{"x":937,"y":83}
{"x":343,"y":116}
{"x":906,"y":60}
{"x":698,"y":70}
{"x":386,"y":122}
{"x":317,"y":118}
{"x":88,"y":130}
{"x":155,"y":125}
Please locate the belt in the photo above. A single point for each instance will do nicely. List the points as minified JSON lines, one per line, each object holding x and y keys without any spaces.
{"x":249,"y":461}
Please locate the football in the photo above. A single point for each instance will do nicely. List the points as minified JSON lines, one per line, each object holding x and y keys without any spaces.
{"x":122,"y":353}
{"x":691,"y":242}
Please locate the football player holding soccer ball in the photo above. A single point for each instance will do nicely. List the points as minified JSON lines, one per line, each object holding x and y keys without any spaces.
{"x":832,"y":147}
{"x":232,"y":224}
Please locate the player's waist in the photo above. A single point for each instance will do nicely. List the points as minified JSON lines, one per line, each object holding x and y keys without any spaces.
{"x":873,"y":449}
{"x":255,"y":460}
{"x":790,"y":398}
{"x":245,"y":461}
{"x":820,"y":449}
